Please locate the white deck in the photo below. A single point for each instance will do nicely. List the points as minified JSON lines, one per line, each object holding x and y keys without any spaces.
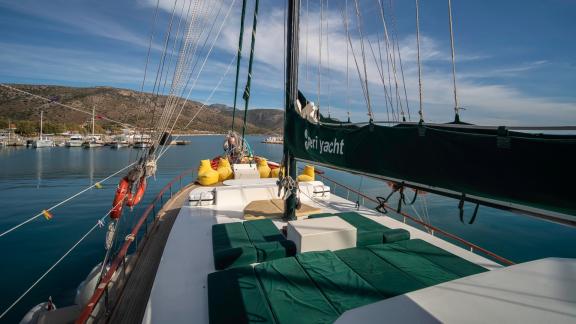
{"x":542,"y":291}
{"x":179,"y":293}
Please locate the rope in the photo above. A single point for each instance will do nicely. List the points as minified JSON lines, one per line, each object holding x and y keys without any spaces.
{"x":203,"y":105}
{"x":359,"y":25}
{"x":328,"y":58}
{"x":347,"y":68}
{"x":238,"y":57}
{"x":64,"y":201}
{"x":178,"y":99}
{"x":319,"y":81}
{"x":420,"y":112}
{"x":202,"y":66}
{"x":66,"y":106}
{"x":354,"y":57}
{"x":391,"y":60}
{"x":456,"y":107}
{"x":97,"y":225}
{"x":307,"y":34}
{"x":397,"y":45}
{"x":246,"y":95}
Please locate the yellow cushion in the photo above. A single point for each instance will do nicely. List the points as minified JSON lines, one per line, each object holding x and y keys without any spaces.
{"x":307,"y":174}
{"x":263,"y":168}
{"x":274,"y":173}
{"x":206,"y":175}
{"x":224,"y":170}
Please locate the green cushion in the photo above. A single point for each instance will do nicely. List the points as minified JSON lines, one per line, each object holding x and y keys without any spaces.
{"x":234,"y":257}
{"x":361,"y":222}
{"x":442,"y":258}
{"x":229,"y":235}
{"x":341,"y":285}
{"x":368,"y":232}
{"x":414,"y":265}
{"x":293,"y":296}
{"x":395,"y":235}
{"x":231,"y":246}
{"x":235,"y":296}
{"x":387,"y":279}
{"x":262,"y":230}
{"x":274,"y":250}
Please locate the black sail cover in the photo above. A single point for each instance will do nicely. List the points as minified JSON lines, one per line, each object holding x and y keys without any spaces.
{"x":533,"y":170}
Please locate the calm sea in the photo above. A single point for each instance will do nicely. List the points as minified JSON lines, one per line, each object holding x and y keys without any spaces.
{"x":32,"y":180}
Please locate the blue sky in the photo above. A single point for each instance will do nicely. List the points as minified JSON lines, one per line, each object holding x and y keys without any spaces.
{"x":516,"y":60}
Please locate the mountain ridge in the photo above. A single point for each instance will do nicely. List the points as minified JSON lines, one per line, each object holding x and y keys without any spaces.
{"x":124,"y":105}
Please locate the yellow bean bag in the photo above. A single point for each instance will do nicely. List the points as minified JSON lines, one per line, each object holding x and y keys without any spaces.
{"x":276,"y":172}
{"x":307,"y":174}
{"x":206,"y":175}
{"x":263,"y":168}
{"x":224,"y":170}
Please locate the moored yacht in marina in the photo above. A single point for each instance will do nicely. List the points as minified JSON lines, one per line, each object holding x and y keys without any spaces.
{"x":42,"y":141}
{"x":75,"y":140}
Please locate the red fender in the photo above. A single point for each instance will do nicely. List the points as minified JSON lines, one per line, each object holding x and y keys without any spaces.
{"x":122,"y":192}
{"x":134,"y":199}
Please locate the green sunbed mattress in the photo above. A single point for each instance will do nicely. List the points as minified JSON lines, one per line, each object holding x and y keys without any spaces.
{"x":292,"y":295}
{"x":343,"y":287}
{"x":235,"y":296}
{"x":414,"y":265}
{"x":386,"y":278}
{"x":442,"y":258}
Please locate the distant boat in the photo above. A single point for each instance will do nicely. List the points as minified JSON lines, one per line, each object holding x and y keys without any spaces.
{"x":118,"y":144}
{"x":141,"y":145}
{"x":42,"y":141}
{"x":93,"y":141}
{"x":273,"y":140}
{"x":75,"y":140}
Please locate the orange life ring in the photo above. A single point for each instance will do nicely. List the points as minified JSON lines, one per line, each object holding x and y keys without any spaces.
{"x":134,"y":199}
{"x":121,"y":193}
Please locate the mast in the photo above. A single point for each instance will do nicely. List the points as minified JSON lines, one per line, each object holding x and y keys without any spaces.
{"x":93,"y":108}
{"x":292,"y":39}
{"x":41,"y":117}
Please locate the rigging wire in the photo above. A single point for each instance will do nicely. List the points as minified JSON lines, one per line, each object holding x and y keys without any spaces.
{"x":203,"y":105}
{"x":184,"y":101}
{"x":456,"y":107}
{"x":64,"y":201}
{"x":388,"y":100}
{"x":247,"y":89}
{"x":420,"y":111}
{"x":307,"y":34}
{"x":176,"y":96}
{"x":359,"y":26}
{"x":354,"y":57}
{"x":192,"y":37}
{"x":319,"y":80}
{"x":125,"y":125}
{"x":391,"y":60}
{"x":380,"y":69}
{"x":347,"y":68}
{"x":150,"y":40}
{"x":98,"y":224}
{"x":328,"y":58}
{"x":397,"y":44}
{"x":238,"y":58}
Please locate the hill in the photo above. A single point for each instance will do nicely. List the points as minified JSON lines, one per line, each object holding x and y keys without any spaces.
{"x":129,"y":106}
